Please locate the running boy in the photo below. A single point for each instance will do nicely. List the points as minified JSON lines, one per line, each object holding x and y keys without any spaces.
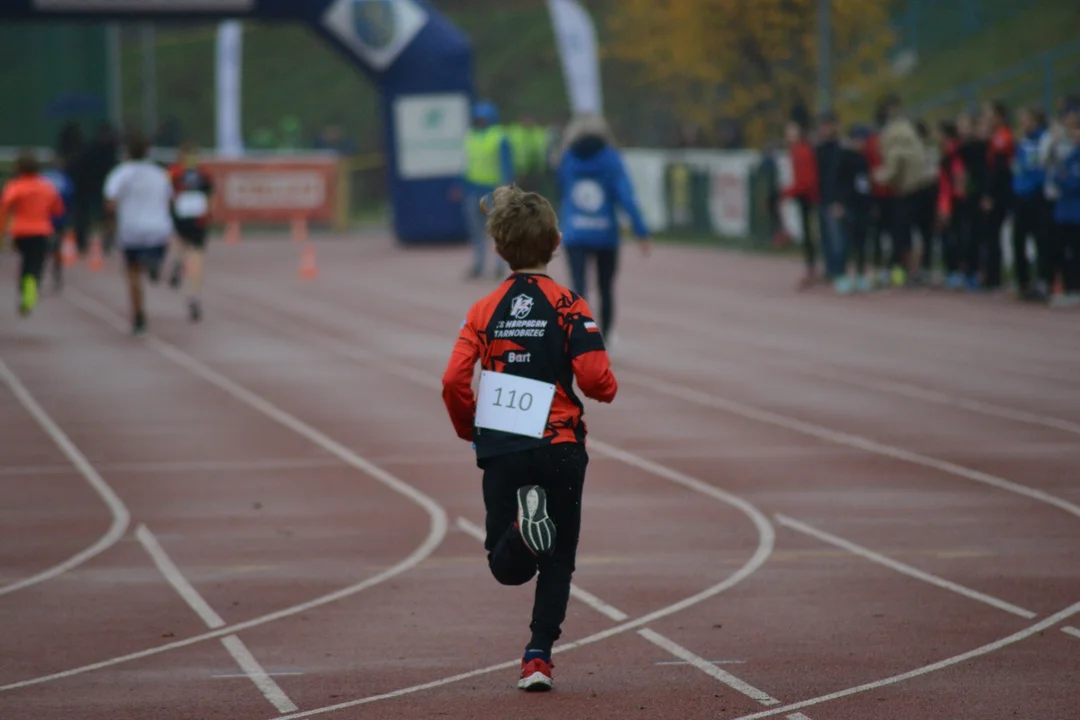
{"x":33,"y":203}
{"x":192,"y":187}
{"x":139,"y":192}
{"x":532,"y":337}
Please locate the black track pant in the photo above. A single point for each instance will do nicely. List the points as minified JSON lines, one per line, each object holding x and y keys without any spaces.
{"x":1030,"y":220}
{"x":560,"y":470}
{"x":1070,"y":256}
{"x":32,"y":250}
{"x":806,"y":209}
{"x":607,"y":264}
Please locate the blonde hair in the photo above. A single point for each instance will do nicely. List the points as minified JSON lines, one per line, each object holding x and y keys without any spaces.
{"x":523,"y":225}
{"x":587,"y":125}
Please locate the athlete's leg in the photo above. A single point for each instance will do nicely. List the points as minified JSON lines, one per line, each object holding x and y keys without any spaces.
{"x":134,"y":259}
{"x":607,"y":264}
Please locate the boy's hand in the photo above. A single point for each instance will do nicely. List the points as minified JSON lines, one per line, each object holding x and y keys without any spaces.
{"x":646,"y":246}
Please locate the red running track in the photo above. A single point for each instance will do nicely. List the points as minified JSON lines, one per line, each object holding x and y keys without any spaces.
{"x":842,"y":508}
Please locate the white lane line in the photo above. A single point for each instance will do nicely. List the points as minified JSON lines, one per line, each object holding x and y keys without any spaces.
{"x":926,"y":669}
{"x":121,"y":518}
{"x":436,"y":531}
{"x":180,"y":584}
{"x":686,"y":656}
{"x":771,"y":418}
{"x":902,"y":568}
{"x":766,"y":541}
{"x":235,"y":676}
{"x":247,"y":662}
{"x":765,"y":531}
{"x":474,"y":530}
{"x":917,"y":392}
{"x":251,"y":667}
{"x":187,"y":466}
{"x":705,"y":399}
{"x":714,"y":662}
{"x":707,"y":667}
{"x":1070,"y":630}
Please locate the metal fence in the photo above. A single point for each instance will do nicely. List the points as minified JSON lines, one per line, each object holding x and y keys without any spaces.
{"x":1039,"y":82}
{"x":928,"y":26}
{"x":52,"y":73}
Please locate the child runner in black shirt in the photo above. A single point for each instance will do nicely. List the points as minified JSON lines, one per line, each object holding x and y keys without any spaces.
{"x":533,"y":338}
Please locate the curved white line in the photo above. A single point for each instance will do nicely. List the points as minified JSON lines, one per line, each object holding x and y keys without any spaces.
{"x":121,"y":518}
{"x":766,"y":540}
{"x":821,"y":432}
{"x":436,"y":531}
{"x":939,"y":665}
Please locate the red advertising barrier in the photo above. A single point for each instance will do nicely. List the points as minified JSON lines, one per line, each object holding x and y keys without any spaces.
{"x":275,"y":190}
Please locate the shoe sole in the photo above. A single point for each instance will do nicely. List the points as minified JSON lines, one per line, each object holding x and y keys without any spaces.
{"x":537,"y":682}
{"x":536,"y":528}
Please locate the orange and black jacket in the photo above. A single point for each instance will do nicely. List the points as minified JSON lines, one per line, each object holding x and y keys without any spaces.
{"x":191,"y":179}
{"x":534,"y":328}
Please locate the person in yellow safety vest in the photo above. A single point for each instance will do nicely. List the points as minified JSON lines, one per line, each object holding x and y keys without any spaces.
{"x":518,"y":133}
{"x":489,"y":163}
{"x":537,"y":142}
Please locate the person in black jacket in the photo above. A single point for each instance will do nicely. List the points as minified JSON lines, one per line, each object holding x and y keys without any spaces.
{"x":974,"y":147}
{"x":830,"y":209}
{"x":853,"y":187}
{"x":997,"y":197}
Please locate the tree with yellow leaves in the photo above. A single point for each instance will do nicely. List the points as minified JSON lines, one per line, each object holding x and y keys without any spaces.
{"x":751,"y":60}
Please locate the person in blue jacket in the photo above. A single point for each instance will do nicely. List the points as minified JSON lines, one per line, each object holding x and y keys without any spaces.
{"x":1067,"y":214}
{"x":66,"y":189}
{"x":489,"y":163}
{"x":1030,"y":212}
{"x":594,"y":184}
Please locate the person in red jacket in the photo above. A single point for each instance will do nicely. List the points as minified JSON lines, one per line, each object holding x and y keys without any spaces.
{"x":881,"y":211}
{"x":998,"y":194}
{"x":804,"y":190}
{"x":533,"y":338}
{"x":32,"y":203}
{"x":952,"y":219}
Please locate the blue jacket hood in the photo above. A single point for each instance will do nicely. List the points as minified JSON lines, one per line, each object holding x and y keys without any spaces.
{"x":486,"y":110}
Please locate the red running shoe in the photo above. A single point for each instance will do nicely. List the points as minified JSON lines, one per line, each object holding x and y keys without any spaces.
{"x":535,"y":675}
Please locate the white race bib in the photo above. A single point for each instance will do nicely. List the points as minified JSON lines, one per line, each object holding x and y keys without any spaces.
{"x":513,"y":404}
{"x":191,"y":205}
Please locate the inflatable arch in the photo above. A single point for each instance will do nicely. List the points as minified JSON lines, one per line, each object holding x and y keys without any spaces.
{"x":421,"y":63}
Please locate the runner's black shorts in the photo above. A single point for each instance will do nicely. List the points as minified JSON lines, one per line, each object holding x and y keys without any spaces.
{"x":144,"y":257}
{"x":191,"y":233}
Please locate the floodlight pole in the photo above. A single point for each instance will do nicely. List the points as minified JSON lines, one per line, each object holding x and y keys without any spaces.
{"x":149,"y":78}
{"x":825,"y":76}
{"x":112,"y":39}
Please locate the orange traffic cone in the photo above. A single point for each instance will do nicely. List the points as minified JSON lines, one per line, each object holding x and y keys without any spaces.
{"x":299,"y":229}
{"x":308,"y":268}
{"x":232,"y":232}
{"x":69,"y":253}
{"x":97,"y":256}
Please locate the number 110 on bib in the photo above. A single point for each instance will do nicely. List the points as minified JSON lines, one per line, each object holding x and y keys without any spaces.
{"x":513,"y":404}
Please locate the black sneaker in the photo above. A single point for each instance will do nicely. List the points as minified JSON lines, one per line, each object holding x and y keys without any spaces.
{"x":194,"y":311}
{"x":138,"y":326}
{"x":536,"y":528}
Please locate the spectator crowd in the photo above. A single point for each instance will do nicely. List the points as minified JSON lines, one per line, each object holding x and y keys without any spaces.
{"x":867,"y":194}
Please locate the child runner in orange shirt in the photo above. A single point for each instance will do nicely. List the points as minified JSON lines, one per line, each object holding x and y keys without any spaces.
{"x":32,"y":202}
{"x":533,"y":338}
